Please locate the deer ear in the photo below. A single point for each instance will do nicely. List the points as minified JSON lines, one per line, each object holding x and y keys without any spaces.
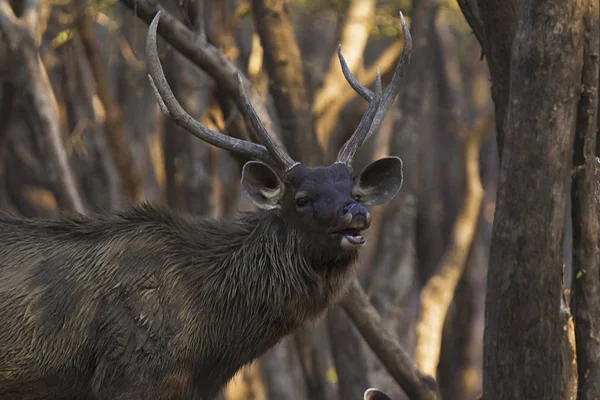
{"x":261,"y":185}
{"x":375,"y":394}
{"x":379,"y":182}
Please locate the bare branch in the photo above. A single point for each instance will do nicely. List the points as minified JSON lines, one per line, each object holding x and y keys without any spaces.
{"x":354,"y":37}
{"x":114,"y":122}
{"x":203,"y":54}
{"x":437,"y":295}
{"x":397,"y":361}
{"x":39,"y":92}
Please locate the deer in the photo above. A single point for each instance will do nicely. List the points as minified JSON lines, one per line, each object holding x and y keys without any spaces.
{"x":149,"y":303}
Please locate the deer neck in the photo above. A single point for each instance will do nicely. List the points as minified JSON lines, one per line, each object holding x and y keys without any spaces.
{"x":261,"y":261}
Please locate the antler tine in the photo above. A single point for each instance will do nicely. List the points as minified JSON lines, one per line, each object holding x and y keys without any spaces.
{"x":172,"y":109}
{"x":347,"y":152}
{"x":363,"y":91}
{"x":279,"y":155}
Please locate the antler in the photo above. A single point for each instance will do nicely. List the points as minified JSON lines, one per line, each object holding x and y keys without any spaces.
{"x":252,"y":117}
{"x":268,"y":152}
{"x":378,"y":104}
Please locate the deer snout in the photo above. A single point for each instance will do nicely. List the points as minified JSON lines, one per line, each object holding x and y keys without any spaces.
{"x":357,"y":216}
{"x":354,"y":219}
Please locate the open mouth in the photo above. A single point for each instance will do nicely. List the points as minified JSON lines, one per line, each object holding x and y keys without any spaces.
{"x":351,"y":238}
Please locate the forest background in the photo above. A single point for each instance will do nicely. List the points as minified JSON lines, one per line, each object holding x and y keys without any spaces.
{"x":80,"y":129}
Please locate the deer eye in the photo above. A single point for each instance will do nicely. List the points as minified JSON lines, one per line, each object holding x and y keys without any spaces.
{"x":301,"y":202}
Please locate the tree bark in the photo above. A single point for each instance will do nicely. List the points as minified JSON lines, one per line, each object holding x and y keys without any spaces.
{"x":524,"y":339}
{"x":586,"y":299}
{"x":500,"y":24}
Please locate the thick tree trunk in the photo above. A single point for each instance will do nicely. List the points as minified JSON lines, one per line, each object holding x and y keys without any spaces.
{"x":524,"y":338}
{"x":586,"y":283}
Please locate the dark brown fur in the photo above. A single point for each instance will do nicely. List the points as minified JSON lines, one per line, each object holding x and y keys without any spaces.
{"x":149,"y":304}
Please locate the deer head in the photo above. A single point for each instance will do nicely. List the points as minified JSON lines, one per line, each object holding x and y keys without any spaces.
{"x":326,"y":202}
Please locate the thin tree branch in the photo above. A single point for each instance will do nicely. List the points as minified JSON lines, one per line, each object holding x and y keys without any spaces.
{"x":396,"y":360}
{"x":354,"y":39}
{"x":283,"y":63}
{"x":437,"y":295}
{"x":586,"y":270}
{"x":204,"y":55}
{"x":117,"y":139}
{"x":34,"y":80}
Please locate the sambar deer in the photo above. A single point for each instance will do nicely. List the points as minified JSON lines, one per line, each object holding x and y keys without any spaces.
{"x":147,"y":303}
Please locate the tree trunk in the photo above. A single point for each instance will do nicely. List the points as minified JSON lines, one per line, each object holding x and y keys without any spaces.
{"x":500,"y":22}
{"x":586,"y":272}
{"x":524,"y":337}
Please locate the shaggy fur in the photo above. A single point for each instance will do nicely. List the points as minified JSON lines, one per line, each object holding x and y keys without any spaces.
{"x":148,"y":304}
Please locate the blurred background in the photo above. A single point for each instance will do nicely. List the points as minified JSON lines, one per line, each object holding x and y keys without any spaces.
{"x":90,"y":136}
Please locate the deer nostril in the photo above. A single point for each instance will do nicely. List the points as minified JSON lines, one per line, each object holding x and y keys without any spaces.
{"x":346,"y":209}
{"x":354,"y":209}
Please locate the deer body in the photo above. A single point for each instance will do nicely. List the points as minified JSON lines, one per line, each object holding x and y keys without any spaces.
{"x":146,"y":298}
{"x":150,"y":304}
